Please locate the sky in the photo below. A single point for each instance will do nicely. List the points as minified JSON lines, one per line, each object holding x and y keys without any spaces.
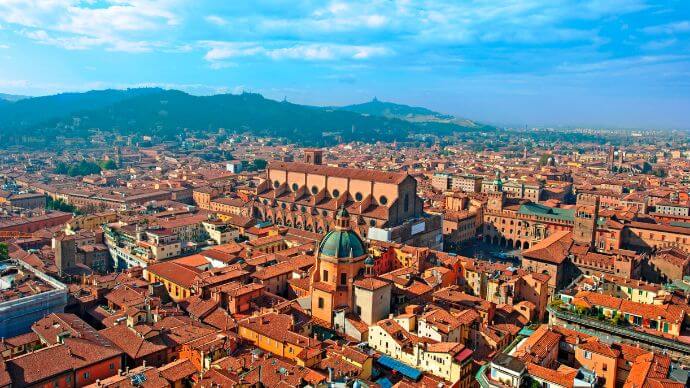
{"x":598,"y":63}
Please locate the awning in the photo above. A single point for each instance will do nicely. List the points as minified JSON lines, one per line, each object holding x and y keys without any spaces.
{"x":396,"y":365}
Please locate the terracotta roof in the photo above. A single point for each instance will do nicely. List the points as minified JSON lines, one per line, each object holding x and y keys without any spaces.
{"x":179,"y":274}
{"x":553,"y":249}
{"x":600,"y":348}
{"x":537,"y":346}
{"x":74,"y":353}
{"x":550,"y":375}
{"x":340,"y":172}
{"x":370,"y":283}
{"x":132,"y":343}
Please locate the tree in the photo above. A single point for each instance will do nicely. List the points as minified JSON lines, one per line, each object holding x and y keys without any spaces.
{"x":544,"y":159}
{"x":107,"y":164}
{"x":61,"y":168}
{"x":4,"y":251}
{"x":260,"y":164}
{"x":60,"y":205}
{"x":84,"y":168}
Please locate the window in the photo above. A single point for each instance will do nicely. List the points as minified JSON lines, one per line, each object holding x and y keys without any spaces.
{"x":372,"y":223}
{"x":588,"y":355}
{"x":325,"y":275}
{"x":383,"y":200}
{"x":112,"y":366}
{"x":406,"y":203}
{"x":336,"y":193}
{"x":320,"y":303}
{"x":295,"y":186}
{"x":343,"y":278}
{"x":86,"y":375}
{"x":358,"y":196}
{"x":276,"y":184}
{"x":314,"y":190}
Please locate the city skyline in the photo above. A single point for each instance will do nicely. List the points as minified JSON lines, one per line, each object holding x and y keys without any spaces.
{"x":594,"y":63}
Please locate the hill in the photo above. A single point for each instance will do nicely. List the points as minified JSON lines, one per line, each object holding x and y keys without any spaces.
{"x":11,"y":97}
{"x":167,"y":113}
{"x":412,"y":114}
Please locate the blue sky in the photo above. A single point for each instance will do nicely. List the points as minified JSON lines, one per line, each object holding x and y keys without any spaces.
{"x":536,"y":62}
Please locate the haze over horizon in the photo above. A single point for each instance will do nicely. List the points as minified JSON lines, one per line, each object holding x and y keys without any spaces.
{"x":617,"y":63}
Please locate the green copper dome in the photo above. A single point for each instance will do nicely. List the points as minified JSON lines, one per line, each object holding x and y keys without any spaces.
{"x":342,"y":244}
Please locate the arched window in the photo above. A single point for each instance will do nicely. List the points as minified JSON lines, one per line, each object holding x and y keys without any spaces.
{"x":295,"y":186}
{"x":383,"y":200}
{"x":406,"y":203}
{"x":276,"y":184}
{"x":358,"y":197}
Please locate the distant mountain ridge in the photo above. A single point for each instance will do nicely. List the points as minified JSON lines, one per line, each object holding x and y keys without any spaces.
{"x":167,"y":113}
{"x":376,"y":107}
{"x":11,"y":97}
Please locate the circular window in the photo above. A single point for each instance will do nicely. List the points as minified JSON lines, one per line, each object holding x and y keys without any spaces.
{"x":336,"y":193}
{"x":372,"y":223}
{"x":358,"y":197}
{"x":276,"y":184}
{"x":295,"y":186}
{"x":383,"y":200}
{"x":314,"y":190}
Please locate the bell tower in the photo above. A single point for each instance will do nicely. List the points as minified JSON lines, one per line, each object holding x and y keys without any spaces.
{"x":586,"y":215}
{"x":313,"y":156}
{"x":496,"y":201}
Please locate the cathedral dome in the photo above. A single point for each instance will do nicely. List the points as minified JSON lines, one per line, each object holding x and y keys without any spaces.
{"x":342,"y":244}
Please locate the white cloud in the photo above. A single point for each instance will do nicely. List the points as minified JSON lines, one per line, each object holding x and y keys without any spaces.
{"x":220,"y":51}
{"x":217,"y":20}
{"x":117,"y":25}
{"x":670,"y":28}
{"x":634,"y":63}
